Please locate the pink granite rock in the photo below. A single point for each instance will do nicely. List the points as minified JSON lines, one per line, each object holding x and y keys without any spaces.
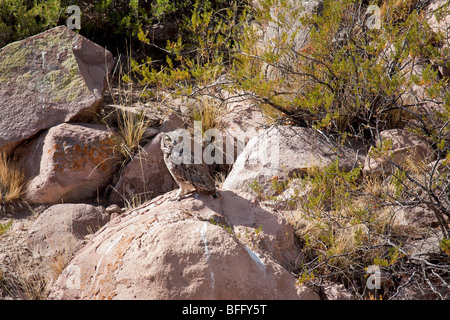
{"x":69,"y":162}
{"x":180,"y":250}
{"x":47,"y":79}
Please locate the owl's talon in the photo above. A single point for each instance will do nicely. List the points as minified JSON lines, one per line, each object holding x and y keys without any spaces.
{"x":178,"y":196}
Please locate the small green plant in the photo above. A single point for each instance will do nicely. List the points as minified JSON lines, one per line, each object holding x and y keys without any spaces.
{"x":224,"y":226}
{"x":254,"y":235}
{"x":398,"y":182}
{"x":382,"y":151}
{"x":279,"y":185}
{"x":257,"y":188}
{"x":258,"y":231}
{"x":331,"y":189}
{"x":5,"y":226}
{"x":445,"y":246}
{"x":305,"y":277}
{"x":393,"y":255}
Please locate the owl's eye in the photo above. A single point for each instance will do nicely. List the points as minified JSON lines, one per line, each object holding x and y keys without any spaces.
{"x":169,"y":139}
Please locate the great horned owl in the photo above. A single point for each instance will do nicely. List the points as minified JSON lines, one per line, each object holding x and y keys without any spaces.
{"x":188,"y":171}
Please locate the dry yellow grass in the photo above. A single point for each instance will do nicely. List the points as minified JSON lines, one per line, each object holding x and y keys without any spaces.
{"x":208,"y":111}
{"x":12,"y":180}
{"x":125,"y":95}
{"x":375,"y":186}
{"x":59,"y":263}
{"x":132,"y":128}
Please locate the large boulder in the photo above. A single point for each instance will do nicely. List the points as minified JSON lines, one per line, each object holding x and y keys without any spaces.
{"x":68,"y":163}
{"x":61,"y":229}
{"x":243,"y":120}
{"x":47,"y":79}
{"x":191,"y":249}
{"x":413,"y":221}
{"x":146,"y":174}
{"x":282,"y":151}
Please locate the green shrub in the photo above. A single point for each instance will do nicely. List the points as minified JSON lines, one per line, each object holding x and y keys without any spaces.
{"x":203,"y":51}
{"x":347,"y":78}
{"x":23,"y":18}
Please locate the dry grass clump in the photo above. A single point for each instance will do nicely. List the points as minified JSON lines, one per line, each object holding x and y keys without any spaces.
{"x":130,"y":121}
{"x":12,"y":180}
{"x":23,"y":281}
{"x":59,"y":262}
{"x":131,"y":131}
{"x":208,"y":111}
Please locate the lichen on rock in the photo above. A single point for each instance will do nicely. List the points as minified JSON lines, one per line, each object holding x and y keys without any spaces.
{"x":48,"y":79}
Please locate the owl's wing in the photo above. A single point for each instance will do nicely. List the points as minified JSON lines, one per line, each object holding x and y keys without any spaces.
{"x":202,"y":180}
{"x":197,"y":174}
